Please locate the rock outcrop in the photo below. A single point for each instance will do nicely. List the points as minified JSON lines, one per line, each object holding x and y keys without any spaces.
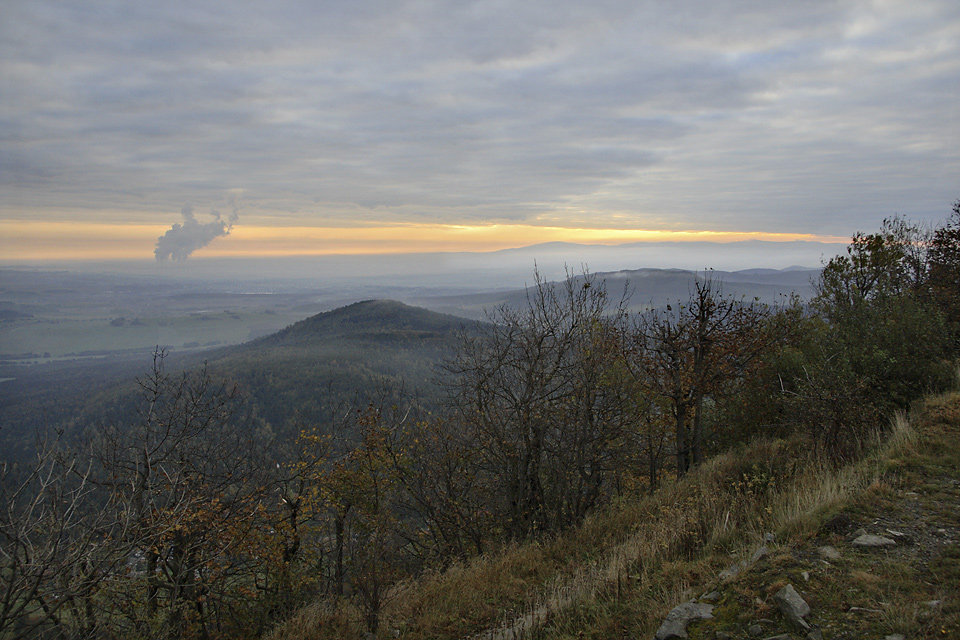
{"x":675,"y":624}
{"x":794,"y":607}
{"x":868,"y":540}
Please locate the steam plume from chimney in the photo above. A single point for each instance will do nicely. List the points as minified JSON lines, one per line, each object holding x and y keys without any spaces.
{"x":184,"y":238}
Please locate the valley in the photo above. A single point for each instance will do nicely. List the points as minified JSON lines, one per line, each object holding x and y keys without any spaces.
{"x":57,"y":315}
{"x":67,"y":336}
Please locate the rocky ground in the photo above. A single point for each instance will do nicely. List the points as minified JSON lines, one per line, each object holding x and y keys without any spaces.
{"x":884,"y":566}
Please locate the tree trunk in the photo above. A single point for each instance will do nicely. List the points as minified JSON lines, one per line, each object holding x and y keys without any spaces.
{"x":338,"y":574}
{"x":697,"y":435}
{"x":683,"y":443}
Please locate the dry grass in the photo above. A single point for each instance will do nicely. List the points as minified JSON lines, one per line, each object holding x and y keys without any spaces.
{"x":723,"y":507}
{"x":314,"y":622}
{"x":620,"y":572}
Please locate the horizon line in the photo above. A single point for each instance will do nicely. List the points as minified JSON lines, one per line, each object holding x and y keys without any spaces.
{"x":35,"y":241}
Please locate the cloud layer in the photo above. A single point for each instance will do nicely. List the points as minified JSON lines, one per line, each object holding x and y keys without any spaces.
{"x":812,"y":117}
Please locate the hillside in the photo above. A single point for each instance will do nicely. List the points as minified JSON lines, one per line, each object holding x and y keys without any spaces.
{"x":621,"y":572}
{"x":352,"y":355}
{"x":881,"y":562}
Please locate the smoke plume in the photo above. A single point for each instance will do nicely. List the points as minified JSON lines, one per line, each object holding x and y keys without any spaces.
{"x":182,"y":239}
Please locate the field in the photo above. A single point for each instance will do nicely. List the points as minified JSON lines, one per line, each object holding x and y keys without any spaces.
{"x":39,"y":339}
{"x":57,"y":315}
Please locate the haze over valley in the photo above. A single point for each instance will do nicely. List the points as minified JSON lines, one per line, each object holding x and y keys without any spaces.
{"x":72,"y":332}
{"x":68,"y":310}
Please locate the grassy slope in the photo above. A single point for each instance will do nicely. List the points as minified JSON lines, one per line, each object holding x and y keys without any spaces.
{"x":619,"y":574}
{"x":912,"y":589}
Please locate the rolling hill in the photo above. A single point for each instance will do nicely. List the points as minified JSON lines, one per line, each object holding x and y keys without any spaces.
{"x":371,"y":350}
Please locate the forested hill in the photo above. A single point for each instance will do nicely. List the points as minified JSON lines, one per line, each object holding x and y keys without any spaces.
{"x":370,"y":350}
{"x":377,"y":320}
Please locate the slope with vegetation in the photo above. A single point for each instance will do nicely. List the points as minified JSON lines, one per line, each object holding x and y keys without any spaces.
{"x":586,"y":464}
{"x":371,"y":351}
{"x":306,"y":373}
{"x":619,"y":573}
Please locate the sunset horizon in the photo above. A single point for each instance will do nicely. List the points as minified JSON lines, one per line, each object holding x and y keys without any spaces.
{"x":82,"y":241}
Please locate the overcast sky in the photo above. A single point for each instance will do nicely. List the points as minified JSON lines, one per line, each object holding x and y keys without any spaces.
{"x":808,"y":117}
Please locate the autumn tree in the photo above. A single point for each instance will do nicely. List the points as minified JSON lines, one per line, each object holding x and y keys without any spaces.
{"x":371,"y":540}
{"x":693,"y":353}
{"x":437,"y":466}
{"x":648,"y":437}
{"x":944,"y":271}
{"x":533,"y":388}
{"x":187,"y":477}
{"x":56,"y":544}
{"x":876,"y":298}
{"x":879,"y":266}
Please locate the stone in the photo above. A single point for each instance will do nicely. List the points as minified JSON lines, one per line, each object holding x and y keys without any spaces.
{"x":829,"y":552}
{"x":762,"y":552}
{"x":871,"y":541}
{"x":782,"y":636}
{"x":723,"y":635}
{"x":895,"y":636}
{"x":794,"y":607}
{"x":815,"y":634}
{"x":806,"y":576}
{"x":711,"y":597}
{"x":675,"y":624}
{"x":769,"y":538}
{"x":754,"y":630}
{"x":900,"y":537}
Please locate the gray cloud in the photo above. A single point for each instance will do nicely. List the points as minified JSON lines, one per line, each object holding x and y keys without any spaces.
{"x":182,"y":239}
{"x":802,"y":117}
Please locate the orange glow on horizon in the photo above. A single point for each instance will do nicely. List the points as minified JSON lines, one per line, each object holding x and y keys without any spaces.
{"x":30,"y":240}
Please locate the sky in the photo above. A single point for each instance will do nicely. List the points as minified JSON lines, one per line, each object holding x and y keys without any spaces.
{"x":163,"y":130}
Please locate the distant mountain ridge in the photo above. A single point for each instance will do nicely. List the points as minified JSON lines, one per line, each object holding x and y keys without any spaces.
{"x":646,"y":288}
{"x":485,"y":269}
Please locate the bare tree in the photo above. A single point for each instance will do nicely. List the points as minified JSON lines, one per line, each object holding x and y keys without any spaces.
{"x":534,"y":390}
{"x":188,"y":478}
{"x":693,"y":353}
{"x":56,"y":545}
